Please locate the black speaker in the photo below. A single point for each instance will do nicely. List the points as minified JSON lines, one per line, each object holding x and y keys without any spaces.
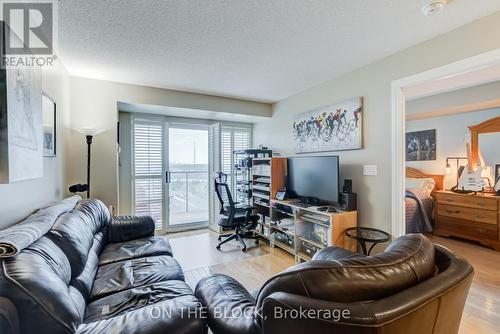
{"x":347,"y":186}
{"x":348,"y":202}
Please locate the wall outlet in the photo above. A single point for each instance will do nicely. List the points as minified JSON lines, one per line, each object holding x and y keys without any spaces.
{"x":370,"y":170}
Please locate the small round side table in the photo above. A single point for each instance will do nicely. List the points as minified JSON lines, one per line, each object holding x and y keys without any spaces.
{"x":364,"y":235}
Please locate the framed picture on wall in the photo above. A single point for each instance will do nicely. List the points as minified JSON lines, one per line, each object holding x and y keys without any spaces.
{"x":336,"y":127}
{"x":421,"y":145}
{"x":49,"y":126}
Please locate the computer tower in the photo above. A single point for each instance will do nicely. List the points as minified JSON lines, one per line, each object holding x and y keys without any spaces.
{"x":348,"y":202}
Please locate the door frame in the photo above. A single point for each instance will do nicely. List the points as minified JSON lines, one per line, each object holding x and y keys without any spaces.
{"x":167,"y":228}
{"x":398,"y":113}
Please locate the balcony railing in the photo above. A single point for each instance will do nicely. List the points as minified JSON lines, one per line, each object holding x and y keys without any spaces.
{"x":188,"y":197}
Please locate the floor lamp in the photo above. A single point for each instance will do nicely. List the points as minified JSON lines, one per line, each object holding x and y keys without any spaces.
{"x":89,"y":134}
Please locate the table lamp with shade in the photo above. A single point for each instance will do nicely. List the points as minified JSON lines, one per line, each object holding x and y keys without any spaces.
{"x":89,"y":133}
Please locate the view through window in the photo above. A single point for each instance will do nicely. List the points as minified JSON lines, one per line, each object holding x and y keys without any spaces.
{"x":188,"y":166}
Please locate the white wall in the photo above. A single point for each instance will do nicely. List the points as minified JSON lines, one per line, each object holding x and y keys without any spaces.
{"x":94,"y":103}
{"x":19,"y":199}
{"x":450,"y":133}
{"x":373,"y":83}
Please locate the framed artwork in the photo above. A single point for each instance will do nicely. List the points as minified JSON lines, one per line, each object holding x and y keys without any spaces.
{"x":49,"y":126}
{"x":335,"y":127}
{"x":421,"y":145}
{"x":21,"y":127}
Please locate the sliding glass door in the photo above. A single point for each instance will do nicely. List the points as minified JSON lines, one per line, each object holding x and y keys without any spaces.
{"x":170,"y":178}
{"x":187,"y":183}
{"x":172,"y":168}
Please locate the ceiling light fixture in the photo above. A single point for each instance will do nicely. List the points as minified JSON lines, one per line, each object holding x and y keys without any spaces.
{"x":434,"y":7}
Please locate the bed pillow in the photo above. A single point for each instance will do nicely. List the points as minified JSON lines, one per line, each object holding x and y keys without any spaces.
{"x":426,"y":184}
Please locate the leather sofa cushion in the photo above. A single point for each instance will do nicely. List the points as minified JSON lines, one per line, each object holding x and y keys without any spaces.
{"x":126,"y":228}
{"x":221,"y":293}
{"x":37,"y":282}
{"x":85,"y":280}
{"x":74,"y":231}
{"x":167,"y":307}
{"x":123,"y":275}
{"x":143,"y":247}
{"x":126,"y":301}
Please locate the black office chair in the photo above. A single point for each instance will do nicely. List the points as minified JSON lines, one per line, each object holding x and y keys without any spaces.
{"x":233,"y":216}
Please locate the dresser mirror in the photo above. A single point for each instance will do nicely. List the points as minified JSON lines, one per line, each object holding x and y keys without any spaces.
{"x":485,"y":142}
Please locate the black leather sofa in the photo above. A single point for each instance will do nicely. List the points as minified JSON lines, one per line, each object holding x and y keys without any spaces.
{"x":414,"y":287}
{"x":91,"y":273}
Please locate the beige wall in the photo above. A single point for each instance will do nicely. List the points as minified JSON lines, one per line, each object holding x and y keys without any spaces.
{"x":373,"y":83}
{"x":94,"y":103}
{"x":19,"y":199}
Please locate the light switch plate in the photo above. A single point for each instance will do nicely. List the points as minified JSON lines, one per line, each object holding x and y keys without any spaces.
{"x":370,"y":170}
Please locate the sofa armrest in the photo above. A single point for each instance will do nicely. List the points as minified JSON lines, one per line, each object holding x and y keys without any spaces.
{"x":125,"y":228}
{"x":9,"y":320}
{"x":334,"y":253}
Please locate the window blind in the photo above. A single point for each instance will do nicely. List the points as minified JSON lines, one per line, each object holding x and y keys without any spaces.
{"x":147,"y":158}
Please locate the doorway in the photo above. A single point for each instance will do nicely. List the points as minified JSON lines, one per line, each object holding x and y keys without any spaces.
{"x":435,"y":79}
{"x":187,"y":181}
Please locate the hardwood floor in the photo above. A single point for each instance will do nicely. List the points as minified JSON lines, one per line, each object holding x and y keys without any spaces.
{"x":481,"y":314}
{"x":197,"y":255}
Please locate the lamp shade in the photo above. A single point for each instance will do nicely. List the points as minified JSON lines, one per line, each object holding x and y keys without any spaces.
{"x":89,"y":131}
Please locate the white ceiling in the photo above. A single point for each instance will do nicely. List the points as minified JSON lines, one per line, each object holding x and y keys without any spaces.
{"x":263,"y":50}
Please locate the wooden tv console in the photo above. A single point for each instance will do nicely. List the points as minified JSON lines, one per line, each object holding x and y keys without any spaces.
{"x":302,"y":231}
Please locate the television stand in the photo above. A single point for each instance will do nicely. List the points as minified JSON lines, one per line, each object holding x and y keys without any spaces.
{"x":301,"y":229}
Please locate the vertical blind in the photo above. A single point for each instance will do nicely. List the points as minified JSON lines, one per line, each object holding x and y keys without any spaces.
{"x":147,"y":151}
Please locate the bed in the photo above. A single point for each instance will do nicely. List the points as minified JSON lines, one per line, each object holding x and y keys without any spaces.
{"x":419,"y":200}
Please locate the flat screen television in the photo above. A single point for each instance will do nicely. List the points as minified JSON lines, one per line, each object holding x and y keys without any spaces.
{"x":314,"y":179}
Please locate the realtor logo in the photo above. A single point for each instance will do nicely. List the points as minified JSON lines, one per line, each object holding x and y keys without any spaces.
{"x":29,"y":28}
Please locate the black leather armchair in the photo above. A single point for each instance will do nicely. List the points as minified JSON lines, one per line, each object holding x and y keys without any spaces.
{"x":414,"y":287}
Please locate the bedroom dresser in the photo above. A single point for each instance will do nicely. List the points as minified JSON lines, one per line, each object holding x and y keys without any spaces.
{"x":474,"y":217}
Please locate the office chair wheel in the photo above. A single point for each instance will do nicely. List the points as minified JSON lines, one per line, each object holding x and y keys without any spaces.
{"x":244,"y":250}
{"x":219,"y":238}
{"x":218,"y":247}
{"x":257,"y":241}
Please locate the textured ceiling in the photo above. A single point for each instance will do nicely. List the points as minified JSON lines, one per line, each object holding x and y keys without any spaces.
{"x":262,"y":50}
